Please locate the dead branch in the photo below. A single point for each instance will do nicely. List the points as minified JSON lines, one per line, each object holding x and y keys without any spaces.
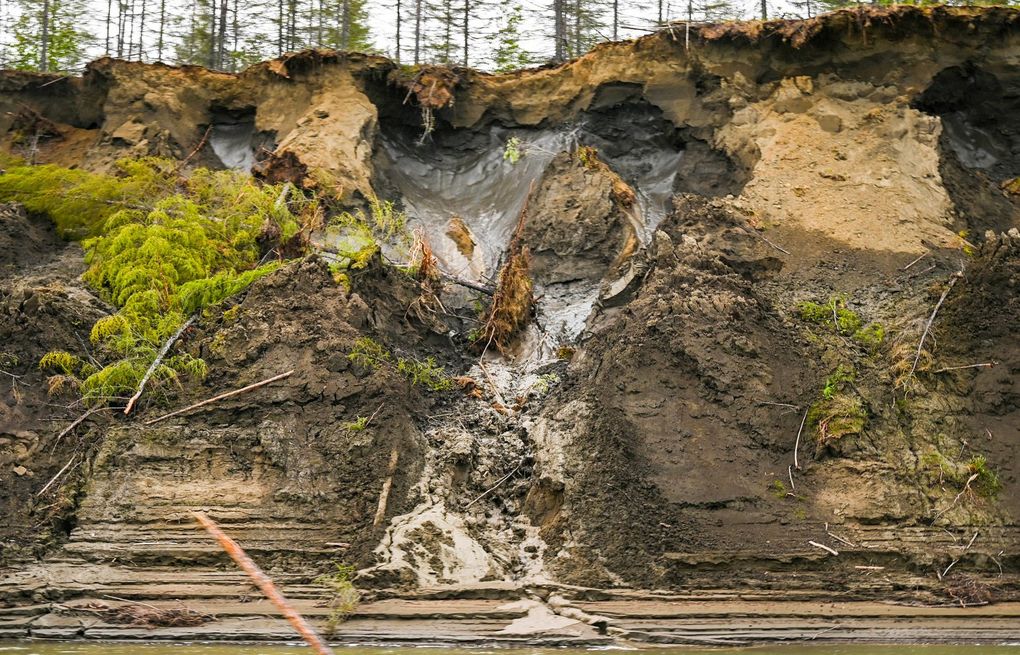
{"x":264,"y":584}
{"x":78,"y":421}
{"x":384,"y":495}
{"x":464,"y":282}
{"x":201,"y":143}
{"x":156,"y":362}
{"x":57,"y":476}
{"x":931,"y":319}
{"x":919,"y":258}
{"x":376,"y":412}
{"x":796,"y":445}
{"x":494,"y":487}
{"x":965,"y":489}
{"x":793,"y":487}
{"x":957,"y":368}
{"x":779,"y":248}
{"x":944,"y":573}
{"x":824,"y":547}
{"x":221,"y":397}
{"x":845,"y":542}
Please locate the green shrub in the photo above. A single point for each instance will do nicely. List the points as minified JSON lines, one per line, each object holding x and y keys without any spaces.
{"x":987,"y":482}
{"x":840,"y":412}
{"x":344,"y":597}
{"x":872,"y":336}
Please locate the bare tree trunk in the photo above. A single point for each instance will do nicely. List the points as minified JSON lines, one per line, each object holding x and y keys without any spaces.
{"x":162,"y":29}
{"x":764,"y":10}
{"x":467,"y":21}
{"x":141,"y":32}
{"x":44,"y":37}
{"x":109,"y":19}
{"x":400,"y":20}
{"x":560,"y":29}
{"x":222,"y":47}
{"x":616,"y":20}
{"x":345,"y":26}
{"x":417,"y":31}
{"x":237,"y":33}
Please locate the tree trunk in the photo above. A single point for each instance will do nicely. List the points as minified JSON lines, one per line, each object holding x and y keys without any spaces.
{"x":162,"y":29}
{"x":400,"y":20}
{"x":417,"y":31}
{"x":764,"y":10}
{"x":141,"y":32}
{"x":44,"y":37}
{"x":109,"y":19}
{"x":345,"y":25}
{"x":221,"y":52}
{"x":467,"y":20}
{"x":616,"y":20}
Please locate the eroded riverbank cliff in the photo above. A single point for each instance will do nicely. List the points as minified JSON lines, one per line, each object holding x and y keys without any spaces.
{"x":732,"y":386}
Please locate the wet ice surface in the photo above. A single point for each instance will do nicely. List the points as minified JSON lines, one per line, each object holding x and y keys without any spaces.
{"x":479,"y":185}
{"x":975,"y":147}
{"x":232,"y":143}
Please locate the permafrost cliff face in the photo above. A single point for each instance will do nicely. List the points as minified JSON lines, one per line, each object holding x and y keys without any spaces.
{"x":643,"y":433}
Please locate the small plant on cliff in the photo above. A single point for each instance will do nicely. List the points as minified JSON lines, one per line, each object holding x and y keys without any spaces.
{"x":512,"y":152}
{"x":344,"y":597}
{"x":370,"y":354}
{"x":588,"y":156}
{"x":834,"y":312}
{"x":840,"y":412}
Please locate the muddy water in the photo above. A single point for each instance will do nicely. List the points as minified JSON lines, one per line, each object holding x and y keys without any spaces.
{"x":79,"y":648}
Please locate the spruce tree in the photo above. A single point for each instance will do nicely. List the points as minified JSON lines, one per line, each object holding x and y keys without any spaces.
{"x":509,"y":55}
{"x":47,"y":35}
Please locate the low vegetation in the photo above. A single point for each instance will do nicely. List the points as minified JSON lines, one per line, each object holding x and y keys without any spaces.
{"x":370,"y":354}
{"x":344,"y":597}
{"x":840,"y":411}
{"x":160,"y":247}
{"x":836,"y":315}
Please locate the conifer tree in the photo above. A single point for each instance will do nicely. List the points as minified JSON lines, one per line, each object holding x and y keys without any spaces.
{"x":47,"y":36}
{"x":509,"y":55}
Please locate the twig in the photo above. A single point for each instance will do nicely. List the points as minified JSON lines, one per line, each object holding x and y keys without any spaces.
{"x":282,"y":199}
{"x":194,"y":152}
{"x":264,"y":584}
{"x":495,"y":389}
{"x":464,"y":282}
{"x":972,"y":540}
{"x":793,"y":487}
{"x":931,"y":319}
{"x":860,"y":567}
{"x":125,"y":600}
{"x":824,"y":547}
{"x":920,"y":257}
{"x":495,"y":486}
{"x":57,"y":476}
{"x":374,"y":414}
{"x":78,"y":421}
{"x":779,"y":248}
{"x":221,"y":397}
{"x":911,"y":276}
{"x":796,"y":445}
{"x":944,"y":573}
{"x":965,"y":489}
{"x":765,"y":402}
{"x":838,"y":538}
{"x":156,"y":362}
{"x":957,"y":368}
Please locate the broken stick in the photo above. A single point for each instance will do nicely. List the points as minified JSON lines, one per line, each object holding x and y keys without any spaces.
{"x":221,"y":397}
{"x":384,"y":496}
{"x":931,"y":319}
{"x":264,"y":584}
{"x":824,"y":547}
{"x":155,"y":363}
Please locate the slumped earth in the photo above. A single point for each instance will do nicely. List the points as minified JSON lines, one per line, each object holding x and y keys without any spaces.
{"x":768,"y":389}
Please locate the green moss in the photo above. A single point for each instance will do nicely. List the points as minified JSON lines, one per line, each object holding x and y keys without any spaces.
{"x":872,"y":336}
{"x":1012,"y":186}
{"x":370,"y":354}
{"x":426,"y":373}
{"x":987,"y":482}
{"x":834,"y":313}
{"x":356,"y":426}
{"x":159,"y":247}
{"x":840,"y":412}
{"x":777,"y":489}
{"x":588,"y":156}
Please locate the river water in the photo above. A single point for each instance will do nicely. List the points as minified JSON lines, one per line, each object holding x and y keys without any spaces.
{"x":94,"y":648}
